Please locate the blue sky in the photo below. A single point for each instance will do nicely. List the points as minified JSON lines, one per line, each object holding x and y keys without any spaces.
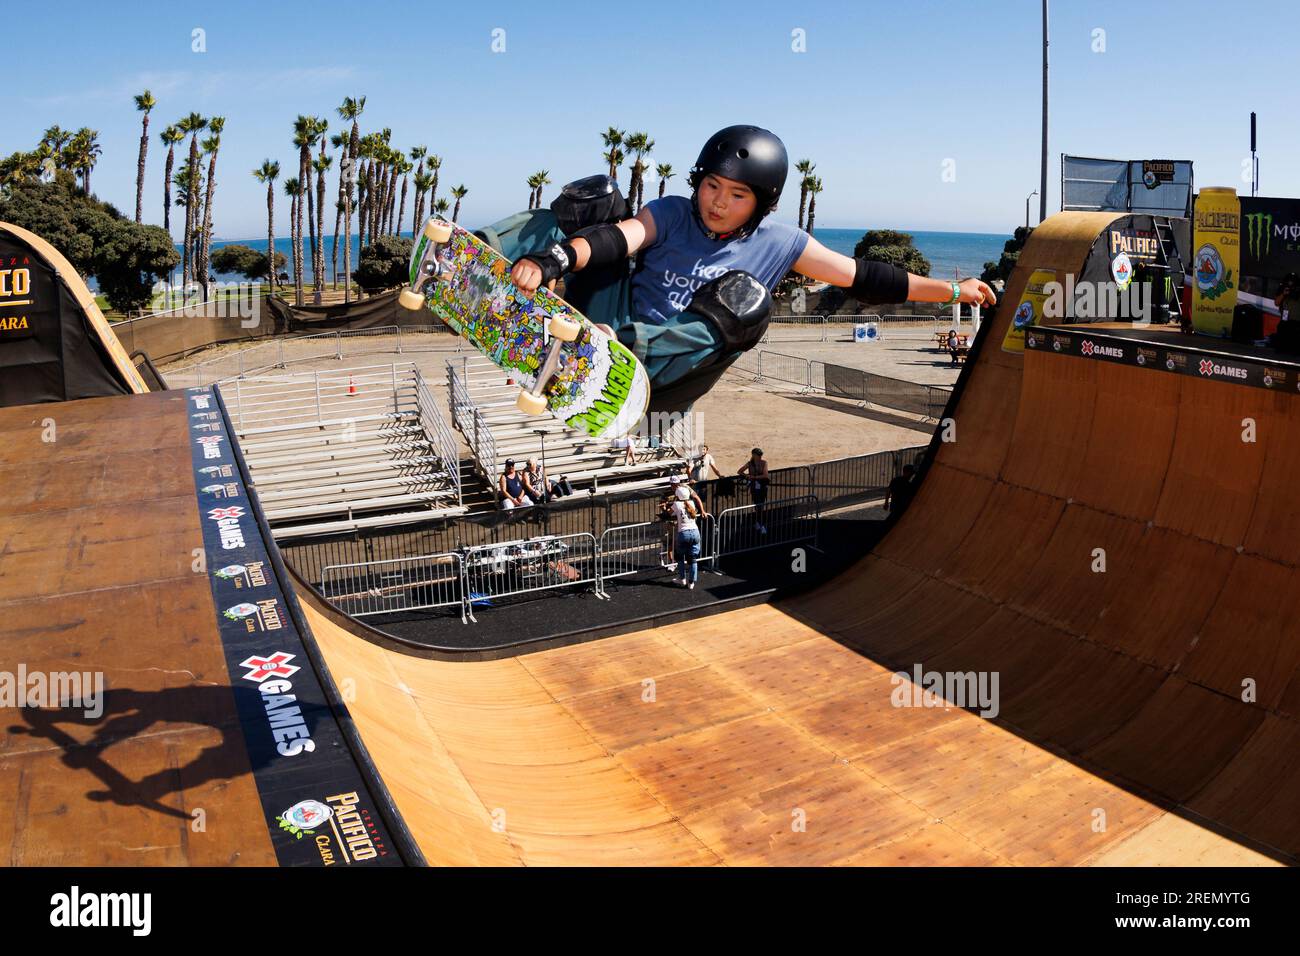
{"x":884,"y":94}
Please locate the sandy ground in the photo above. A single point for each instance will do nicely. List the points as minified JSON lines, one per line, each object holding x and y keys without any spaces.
{"x":737,"y":415}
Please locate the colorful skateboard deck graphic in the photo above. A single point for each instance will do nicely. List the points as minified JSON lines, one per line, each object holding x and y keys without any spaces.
{"x":598,"y":386}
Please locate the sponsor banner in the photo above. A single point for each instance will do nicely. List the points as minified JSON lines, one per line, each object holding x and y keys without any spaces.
{"x":29,"y":296}
{"x":317,"y":807}
{"x":1216,"y":260}
{"x":1030,"y":310}
{"x":1212,"y":366}
{"x":1270,"y":236}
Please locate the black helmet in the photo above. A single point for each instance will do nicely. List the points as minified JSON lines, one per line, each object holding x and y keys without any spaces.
{"x":751,"y":155}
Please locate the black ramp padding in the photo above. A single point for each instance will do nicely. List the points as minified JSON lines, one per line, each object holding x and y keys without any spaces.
{"x":48,"y":350}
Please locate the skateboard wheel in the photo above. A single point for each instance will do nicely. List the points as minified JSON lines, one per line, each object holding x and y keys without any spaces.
{"x":410,"y":299}
{"x":531,"y":404}
{"x":564,"y":329}
{"x":437,"y":231}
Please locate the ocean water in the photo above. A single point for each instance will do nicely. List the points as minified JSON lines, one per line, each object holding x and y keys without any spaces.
{"x":962,"y":252}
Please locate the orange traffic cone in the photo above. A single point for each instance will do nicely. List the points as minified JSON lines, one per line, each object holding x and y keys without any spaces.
{"x":352,"y":389}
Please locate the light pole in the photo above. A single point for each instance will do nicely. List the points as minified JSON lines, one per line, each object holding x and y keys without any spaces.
{"x":1042,"y":198}
{"x":1027,"y":198}
{"x":546,"y":476}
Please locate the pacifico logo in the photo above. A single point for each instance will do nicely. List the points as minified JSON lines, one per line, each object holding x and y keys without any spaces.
{"x":1208,"y":368}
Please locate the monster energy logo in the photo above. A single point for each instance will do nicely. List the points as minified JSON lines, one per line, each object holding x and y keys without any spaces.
{"x":1259,"y":231}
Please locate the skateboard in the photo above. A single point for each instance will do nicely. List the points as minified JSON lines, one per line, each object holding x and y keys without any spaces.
{"x":565,"y":364}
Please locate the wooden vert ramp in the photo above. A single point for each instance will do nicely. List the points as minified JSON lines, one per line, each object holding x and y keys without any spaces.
{"x":99,"y":525}
{"x":770,"y":735}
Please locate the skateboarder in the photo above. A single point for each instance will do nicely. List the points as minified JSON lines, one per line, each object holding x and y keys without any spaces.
{"x":697,"y":294}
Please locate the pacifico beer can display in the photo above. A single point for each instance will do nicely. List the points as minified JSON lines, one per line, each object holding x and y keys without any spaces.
{"x":1216,"y":263}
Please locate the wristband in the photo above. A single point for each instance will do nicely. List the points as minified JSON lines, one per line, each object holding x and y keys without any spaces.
{"x":956,"y":293}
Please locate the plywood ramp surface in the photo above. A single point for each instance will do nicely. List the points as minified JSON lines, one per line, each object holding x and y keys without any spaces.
{"x":98,"y":527}
{"x":746,"y":738}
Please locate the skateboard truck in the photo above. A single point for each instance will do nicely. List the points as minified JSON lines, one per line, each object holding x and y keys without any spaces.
{"x":531,"y":401}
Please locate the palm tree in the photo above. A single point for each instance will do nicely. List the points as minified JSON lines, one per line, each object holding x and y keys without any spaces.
{"x":57,"y":139}
{"x":440,"y":208}
{"x":543,"y":179}
{"x":665,"y":172}
{"x":191,"y":126}
{"x":267,"y":173}
{"x":814,"y":187}
{"x":170,"y":137}
{"x":407,"y":166}
{"x":805,"y":167}
{"x":533,"y":184}
{"x":340,"y":142}
{"x":435,"y":164}
{"x":322,"y":165}
{"x":613,"y":139}
{"x":293,"y":189}
{"x":83,"y":152}
{"x":304,"y":137}
{"x":640,"y":144}
{"x":210,"y":145}
{"x":351,"y":109}
{"x":188,"y":182}
{"x":396,"y":160}
{"x":459,"y":192}
{"x":144,"y":102}
{"x":422,"y":183}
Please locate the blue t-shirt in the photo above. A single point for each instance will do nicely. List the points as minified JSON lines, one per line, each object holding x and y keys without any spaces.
{"x":684,"y":258}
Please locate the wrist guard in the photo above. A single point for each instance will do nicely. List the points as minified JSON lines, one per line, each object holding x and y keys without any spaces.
{"x":554,"y":261}
{"x":878,"y":282}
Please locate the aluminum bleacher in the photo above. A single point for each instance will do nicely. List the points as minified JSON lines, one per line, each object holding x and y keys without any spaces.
{"x":346,"y":449}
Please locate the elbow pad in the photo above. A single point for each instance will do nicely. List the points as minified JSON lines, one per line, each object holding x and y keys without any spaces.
{"x":878,"y":282}
{"x":607,"y":242}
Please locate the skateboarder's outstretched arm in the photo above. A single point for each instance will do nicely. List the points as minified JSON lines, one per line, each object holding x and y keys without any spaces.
{"x":639,"y":232}
{"x":826,"y":265}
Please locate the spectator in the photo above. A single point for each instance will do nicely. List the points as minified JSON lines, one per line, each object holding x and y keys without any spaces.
{"x":1287,"y":299}
{"x":756,"y":471}
{"x":627,"y":445}
{"x":682,"y":491}
{"x":682,"y":512}
{"x":953,"y":344}
{"x":703,"y":464}
{"x":511,"y":486}
{"x":535,"y":481}
{"x":900,"y":490}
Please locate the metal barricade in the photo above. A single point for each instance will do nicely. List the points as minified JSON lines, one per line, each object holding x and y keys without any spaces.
{"x":399,"y":584}
{"x":775,"y":366}
{"x":754,"y":527}
{"x":495,"y":571}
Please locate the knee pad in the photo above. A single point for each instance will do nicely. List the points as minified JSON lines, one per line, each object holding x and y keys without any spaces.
{"x":592,"y":201}
{"x":738,"y":305}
